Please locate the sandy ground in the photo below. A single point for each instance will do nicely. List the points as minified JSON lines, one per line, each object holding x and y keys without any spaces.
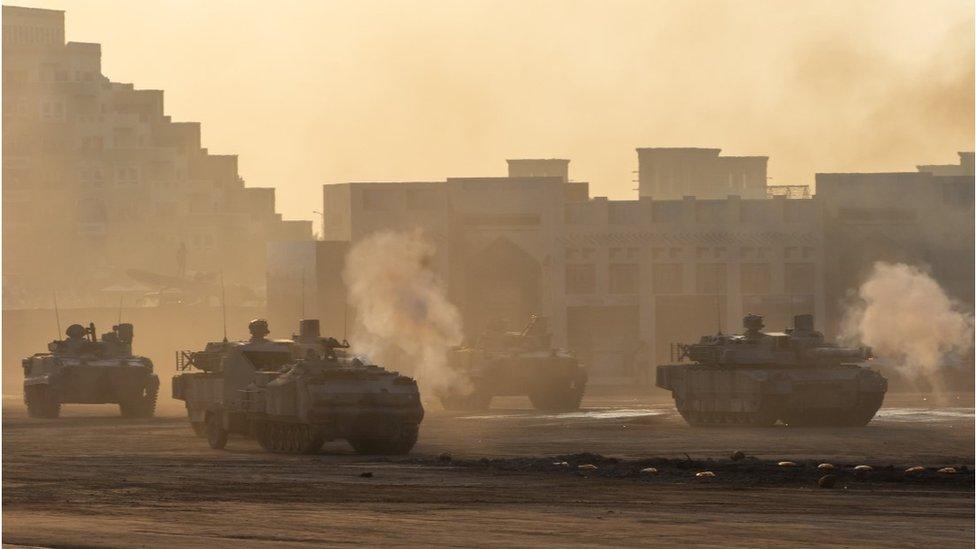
{"x":92,"y":479}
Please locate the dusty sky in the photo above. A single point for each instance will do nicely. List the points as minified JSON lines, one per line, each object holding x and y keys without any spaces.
{"x":322,"y":92}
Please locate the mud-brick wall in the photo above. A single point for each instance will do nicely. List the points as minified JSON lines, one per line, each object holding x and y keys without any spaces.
{"x":159,"y":333}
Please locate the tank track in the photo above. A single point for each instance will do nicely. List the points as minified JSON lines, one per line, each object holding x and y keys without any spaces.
{"x":42,"y":402}
{"x":857,"y":416}
{"x":142,"y":406}
{"x":288,"y":438}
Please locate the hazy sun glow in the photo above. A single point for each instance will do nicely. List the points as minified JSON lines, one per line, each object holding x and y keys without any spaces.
{"x":322,"y":92}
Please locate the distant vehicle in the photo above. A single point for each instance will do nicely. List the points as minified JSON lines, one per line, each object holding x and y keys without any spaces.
{"x":83,"y":370}
{"x":293,"y":395}
{"x":516,"y":363}
{"x":758,"y":378}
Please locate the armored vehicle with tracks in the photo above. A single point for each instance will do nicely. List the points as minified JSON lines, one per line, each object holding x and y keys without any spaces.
{"x":514,"y":364}
{"x":84,"y":370}
{"x":759,"y":378}
{"x":293,"y":395}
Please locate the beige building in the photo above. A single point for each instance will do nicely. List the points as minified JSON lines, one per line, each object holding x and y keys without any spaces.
{"x":922,"y":218}
{"x":619,"y":280}
{"x":672,"y":173}
{"x":99,"y":180}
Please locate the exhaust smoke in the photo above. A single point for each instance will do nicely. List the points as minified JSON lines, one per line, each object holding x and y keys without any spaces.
{"x":909,"y":321}
{"x":402,"y":312}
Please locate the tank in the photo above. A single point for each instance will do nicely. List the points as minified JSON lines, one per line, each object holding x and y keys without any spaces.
{"x":293,"y":395}
{"x":84,"y":370}
{"x":515,"y":364}
{"x":759,"y":378}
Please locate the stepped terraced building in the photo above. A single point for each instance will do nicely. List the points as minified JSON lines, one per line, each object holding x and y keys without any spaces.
{"x":99,"y":180}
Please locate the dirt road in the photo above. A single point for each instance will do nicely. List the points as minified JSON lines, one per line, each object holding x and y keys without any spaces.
{"x":91,"y":479}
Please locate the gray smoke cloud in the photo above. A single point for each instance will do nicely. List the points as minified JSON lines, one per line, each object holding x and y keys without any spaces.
{"x":402,"y":313}
{"x":909,"y":321}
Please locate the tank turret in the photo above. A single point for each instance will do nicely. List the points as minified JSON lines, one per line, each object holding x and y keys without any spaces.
{"x":799,"y":345}
{"x":89,"y":370}
{"x":505,"y":363}
{"x":758,"y":377}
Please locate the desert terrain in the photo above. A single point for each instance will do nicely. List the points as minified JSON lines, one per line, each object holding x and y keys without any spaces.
{"x":91,"y":479}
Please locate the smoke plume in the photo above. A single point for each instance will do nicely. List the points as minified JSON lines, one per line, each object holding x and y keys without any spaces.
{"x":402,"y":313}
{"x":909,"y":321}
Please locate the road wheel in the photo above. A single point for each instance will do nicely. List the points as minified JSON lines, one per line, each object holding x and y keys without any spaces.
{"x":399,"y":441}
{"x":310,"y":441}
{"x":42,"y":402}
{"x":216,"y":434}
{"x":141,"y":404}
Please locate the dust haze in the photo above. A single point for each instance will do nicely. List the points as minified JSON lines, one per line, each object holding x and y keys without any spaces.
{"x":825,"y":86}
{"x":403,"y":314}
{"x":909,"y":321}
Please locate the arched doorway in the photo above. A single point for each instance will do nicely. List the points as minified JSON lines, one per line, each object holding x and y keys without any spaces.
{"x":501,"y":282}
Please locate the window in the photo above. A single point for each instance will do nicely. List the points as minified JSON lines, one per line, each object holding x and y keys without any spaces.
{"x":624,"y":278}
{"x":754,"y":278}
{"x":581,"y":278}
{"x":799,"y":278}
{"x":710,"y":278}
{"x":666,"y":278}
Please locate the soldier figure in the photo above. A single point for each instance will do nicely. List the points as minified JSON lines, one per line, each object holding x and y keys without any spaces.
{"x":76,"y":342}
{"x":259,"y":329}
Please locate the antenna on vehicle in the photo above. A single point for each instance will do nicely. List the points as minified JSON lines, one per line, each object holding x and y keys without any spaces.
{"x":57,"y":315}
{"x":303,"y":293}
{"x":120,"y":308}
{"x":345,"y":319}
{"x":718,"y":313}
{"x":223,"y":304}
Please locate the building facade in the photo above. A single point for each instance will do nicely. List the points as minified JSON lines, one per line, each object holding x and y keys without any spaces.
{"x":922,"y":218}
{"x":619,"y":280}
{"x":672,"y":173}
{"x":99,"y":180}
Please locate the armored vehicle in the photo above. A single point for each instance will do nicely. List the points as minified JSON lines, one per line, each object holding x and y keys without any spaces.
{"x":293,"y":395}
{"x":516,"y":363}
{"x":758,"y":378}
{"x":84,"y":370}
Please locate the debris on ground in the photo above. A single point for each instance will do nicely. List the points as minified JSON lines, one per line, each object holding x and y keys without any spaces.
{"x":827,"y":481}
{"x":863,"y":470}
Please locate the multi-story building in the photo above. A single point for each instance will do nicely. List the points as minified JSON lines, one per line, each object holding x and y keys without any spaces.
{"x":922,"y":218}
{"x":672,"y":173}
{"x":98,"y":180}
{"x":619,"y":280}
